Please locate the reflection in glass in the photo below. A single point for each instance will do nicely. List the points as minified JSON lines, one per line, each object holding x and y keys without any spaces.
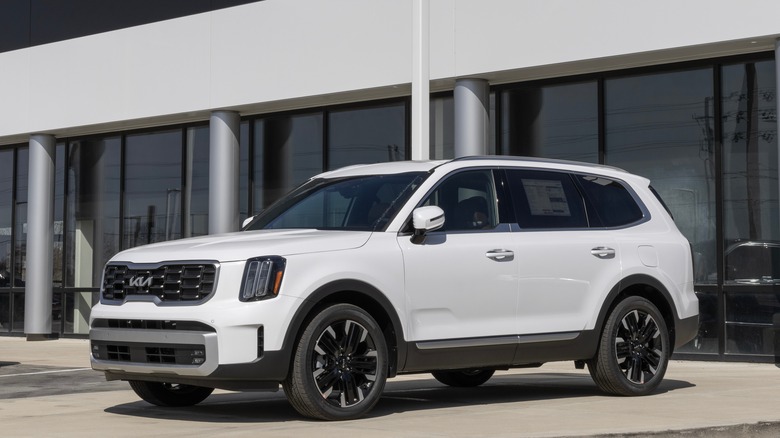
{"x":152,"y":188}
{"x":59,"y":205}
{"x":6,"y":218}
{"x":92,"y":220}
{"x":243,"y":172}
{"x":661,"y":126}
{"x":5,"y":312}
{"x":17,"y":323}
{"x":557,"y":121}
{"x":442,"y":128}
{"x":749,"y":322}
{"x":367,"y":135}
{"x":20,"y":227}
{"x":706,"y":342}
{"x":750,"y":171}
{"x":288,"y":151}
{"x":196,"y":196}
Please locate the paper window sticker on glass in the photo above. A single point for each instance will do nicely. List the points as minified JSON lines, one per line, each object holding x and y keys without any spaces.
{"x":546,"y":197}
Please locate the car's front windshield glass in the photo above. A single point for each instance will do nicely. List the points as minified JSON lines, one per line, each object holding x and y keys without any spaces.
{"x":365,"y":203}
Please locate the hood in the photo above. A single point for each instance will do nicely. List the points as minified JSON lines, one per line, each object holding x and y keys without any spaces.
{"x":244,"y":245}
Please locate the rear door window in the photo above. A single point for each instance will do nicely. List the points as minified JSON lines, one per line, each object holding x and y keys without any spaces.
{"x":546,"y":200}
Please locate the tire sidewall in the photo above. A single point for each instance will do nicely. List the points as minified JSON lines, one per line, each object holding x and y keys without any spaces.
{"x":303,"y":362}
{"x":607,"y":346}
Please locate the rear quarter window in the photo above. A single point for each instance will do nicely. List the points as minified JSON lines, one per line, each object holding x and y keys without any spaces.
{"x":611,"y":204}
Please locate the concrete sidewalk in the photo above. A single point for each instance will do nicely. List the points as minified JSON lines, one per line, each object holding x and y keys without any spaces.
{"x":696,"y":399}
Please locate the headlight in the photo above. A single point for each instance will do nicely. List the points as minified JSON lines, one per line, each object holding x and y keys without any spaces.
{"x":262,"y":278}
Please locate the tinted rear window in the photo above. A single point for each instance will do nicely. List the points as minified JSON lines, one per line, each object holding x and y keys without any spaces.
{"x":610,"y":203}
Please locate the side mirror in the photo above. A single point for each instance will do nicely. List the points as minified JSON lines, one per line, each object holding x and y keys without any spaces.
{"x":425,"y":219}
{"x":247,"y":221}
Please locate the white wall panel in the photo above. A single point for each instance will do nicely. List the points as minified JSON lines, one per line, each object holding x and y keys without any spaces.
{"x":491,"y":36}
{"x":280,"y":54}
{"x":277,"y":50}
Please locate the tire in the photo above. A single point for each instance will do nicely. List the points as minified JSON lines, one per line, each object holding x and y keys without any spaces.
{"x":463,"y":378}
{"x":170,"y":394}
{"x":340,"y":365}
{"x":633,"y":351}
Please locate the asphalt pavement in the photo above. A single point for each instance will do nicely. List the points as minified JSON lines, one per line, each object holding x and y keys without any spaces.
{"x":48,"y":389}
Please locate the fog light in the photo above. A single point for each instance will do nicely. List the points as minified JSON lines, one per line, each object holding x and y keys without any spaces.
{"x":198,"y":360}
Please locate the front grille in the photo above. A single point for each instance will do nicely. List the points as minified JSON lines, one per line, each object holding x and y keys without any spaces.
{"x":170,"y":354}
{"x":169,"y":282}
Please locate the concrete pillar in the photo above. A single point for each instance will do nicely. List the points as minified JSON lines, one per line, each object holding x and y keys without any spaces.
{"x":40,"y":238}
{"x":421,"y":98}
{"x":223,"y":171}
{"x":472,"y":117}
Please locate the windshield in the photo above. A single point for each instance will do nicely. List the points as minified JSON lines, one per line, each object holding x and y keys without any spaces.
{"x":364,"y":203}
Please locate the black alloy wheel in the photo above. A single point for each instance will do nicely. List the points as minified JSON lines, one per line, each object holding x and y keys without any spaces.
{"x":634,"y":349}
{"x":340,"y":366}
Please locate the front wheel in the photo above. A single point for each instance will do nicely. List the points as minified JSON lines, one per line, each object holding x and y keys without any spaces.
{"x":633,"y":351}
{"x":170,"y":394}
{"x":340,"y":365}
{"x":463,"y":378}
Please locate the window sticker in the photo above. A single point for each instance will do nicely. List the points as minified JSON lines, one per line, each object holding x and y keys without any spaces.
{"x":546,"y":197}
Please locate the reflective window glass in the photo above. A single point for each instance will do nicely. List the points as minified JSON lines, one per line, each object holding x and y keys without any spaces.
{"x":610,"y":203}
{"x":59,"y":214}
{"x":559,"y":121}
{"x":442,"y":128}
{"x":660,"y":126}
{"x":6,"y":217}
{"x":196,"y":197}
{"x":20,"y":227}
{"x":750,"y":322}
{"x":288,"y":151}
{"x":92,"y":210}
{"x":468,"y":200}
{"x":546,"y":200}
{"x":367,"y":135}
{"x":152,"y":187}
{"x":751,"y":210}
{"x":243,"y":172}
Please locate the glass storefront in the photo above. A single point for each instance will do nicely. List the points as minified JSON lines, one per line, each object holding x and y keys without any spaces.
{"x":706,"y":136}
{"x":704,"y":133}
{"x":551,"y":121}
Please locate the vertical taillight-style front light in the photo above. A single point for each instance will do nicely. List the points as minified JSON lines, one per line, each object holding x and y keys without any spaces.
{"x":262,"y":278}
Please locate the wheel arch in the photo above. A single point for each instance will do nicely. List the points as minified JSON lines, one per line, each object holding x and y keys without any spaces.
{"x":646,"y":287}
{"x":360,"y":294}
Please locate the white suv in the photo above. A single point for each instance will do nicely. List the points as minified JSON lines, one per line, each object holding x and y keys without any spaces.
{"x":457,"y":268}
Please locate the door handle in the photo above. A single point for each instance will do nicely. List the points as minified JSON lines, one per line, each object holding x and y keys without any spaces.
{"x":603,"y":252}
{"x":500,"y":255}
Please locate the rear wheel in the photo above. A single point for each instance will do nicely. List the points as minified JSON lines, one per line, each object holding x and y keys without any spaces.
{"x":633,"y":351}
{"x":463,"y":378}
{"x":340,"y":365}
{"x":170,"y":394}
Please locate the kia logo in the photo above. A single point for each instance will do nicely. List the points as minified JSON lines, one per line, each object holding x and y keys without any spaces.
{"x":140,"y":281}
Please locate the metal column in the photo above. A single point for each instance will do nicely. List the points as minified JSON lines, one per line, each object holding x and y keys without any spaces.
{"x":40,"y":238}
{"x":472,"y":117}
{"x":421,"y":98}
{"x":223,"y":171}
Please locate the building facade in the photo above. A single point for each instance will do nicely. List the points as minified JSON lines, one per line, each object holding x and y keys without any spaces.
{"x":149,"y":121}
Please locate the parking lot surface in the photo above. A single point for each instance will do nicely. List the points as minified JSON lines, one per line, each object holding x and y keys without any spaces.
{"x":47,"y":389}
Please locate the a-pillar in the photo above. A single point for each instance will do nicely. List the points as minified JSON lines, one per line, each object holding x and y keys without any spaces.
{"x":223,"y":171}
{"x":40,"y":238}
{"x":472,"y":117}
